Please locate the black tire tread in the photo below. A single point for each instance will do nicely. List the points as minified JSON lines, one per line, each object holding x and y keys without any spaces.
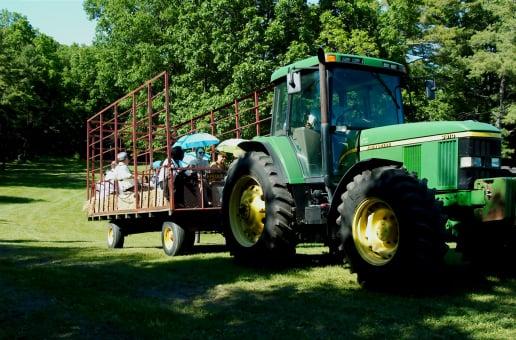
{"x":180,"y":245}
{"x":420,"y":217}
{"x":278,"y":237}
{"x":118,"y":236}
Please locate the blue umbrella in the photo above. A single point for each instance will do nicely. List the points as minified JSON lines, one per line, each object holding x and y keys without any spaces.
{"x":156,"y":164}
{"x":189,"y":156}
{"x":196,"y":140}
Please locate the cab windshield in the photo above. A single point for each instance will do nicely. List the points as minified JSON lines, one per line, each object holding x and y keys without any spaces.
{"x":358,"y":99}
{"x":364,"y":99}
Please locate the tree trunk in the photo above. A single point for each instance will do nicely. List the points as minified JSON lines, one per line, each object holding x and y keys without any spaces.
{"x":501,"y":112}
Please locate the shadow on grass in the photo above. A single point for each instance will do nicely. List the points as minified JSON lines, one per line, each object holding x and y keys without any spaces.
{"x":37,"y":241}
{"x":126,"y":295}
{"x":17,"y":200}
{"x":48,"y":173}
{"x":209,"y":248}
{"x":197,"y":249}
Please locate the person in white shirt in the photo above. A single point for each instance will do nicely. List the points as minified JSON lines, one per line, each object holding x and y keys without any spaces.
{"x":199,"y":160}
{"x":153,"y":181}
{"x":110,"y":174}
{"x":122,"y":173}
{"x":107,"y":185}
{"x":177,"y":162}
{"x":178,"y":176}
{"x":199,"y":179}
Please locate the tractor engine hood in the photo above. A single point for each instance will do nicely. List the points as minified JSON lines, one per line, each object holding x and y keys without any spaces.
{"x":413,"y":133}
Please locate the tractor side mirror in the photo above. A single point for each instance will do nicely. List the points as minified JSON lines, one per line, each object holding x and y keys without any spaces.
{"x":430,"y":89}
{"x":294,"y":82}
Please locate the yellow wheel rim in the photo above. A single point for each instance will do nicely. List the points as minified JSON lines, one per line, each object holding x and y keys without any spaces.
{"x":110,"y":236}
{"x":247,"y":211}
{"x":375,"y":231}
{"x":168,"y":237}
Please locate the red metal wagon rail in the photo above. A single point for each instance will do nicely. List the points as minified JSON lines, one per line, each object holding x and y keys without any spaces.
{"x":142,"y":124}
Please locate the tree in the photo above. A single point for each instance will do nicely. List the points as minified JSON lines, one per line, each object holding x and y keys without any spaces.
{"x":18,"y":100}
{"x":33,"y":119}
{"x":220,"y":49}
{"x":350,"y":26}
{"x":494,"y":62}
{"x":470,"y":52}
{"x":214,"y":50}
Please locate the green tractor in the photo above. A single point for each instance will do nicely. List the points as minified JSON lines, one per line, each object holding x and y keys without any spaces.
{"x":341,"y":167}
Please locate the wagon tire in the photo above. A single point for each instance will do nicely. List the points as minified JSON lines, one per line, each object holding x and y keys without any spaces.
{"x":188,"y":242}
{"x":173,"y":238}
{"x":115,"y":236}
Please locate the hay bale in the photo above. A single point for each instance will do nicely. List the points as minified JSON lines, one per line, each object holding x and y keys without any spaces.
{"x":153,"y":198}
{"x":126,"y":201}
{"x":101,"y":204}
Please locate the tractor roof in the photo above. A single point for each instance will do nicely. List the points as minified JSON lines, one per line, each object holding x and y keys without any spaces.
{"x":338,"y":58}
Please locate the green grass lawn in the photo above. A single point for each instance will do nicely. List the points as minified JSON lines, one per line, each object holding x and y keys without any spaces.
{"x":58,"y":280}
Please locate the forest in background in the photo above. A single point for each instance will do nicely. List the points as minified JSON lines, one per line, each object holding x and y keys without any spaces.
{"x":221,"y":49}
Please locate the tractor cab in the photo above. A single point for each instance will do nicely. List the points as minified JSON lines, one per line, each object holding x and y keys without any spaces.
{"x":362,"y":92}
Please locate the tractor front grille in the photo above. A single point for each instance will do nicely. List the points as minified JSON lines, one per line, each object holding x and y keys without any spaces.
{"x":447,"y":155}
{"x":485,"y":149}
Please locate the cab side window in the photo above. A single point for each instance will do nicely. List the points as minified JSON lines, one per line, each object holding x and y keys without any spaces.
{"x":280,"y":109}
{"x":306,"y":105}
{"x":305,"y":124}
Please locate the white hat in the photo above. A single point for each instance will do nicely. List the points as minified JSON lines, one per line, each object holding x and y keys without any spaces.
{"x":121,"y":156}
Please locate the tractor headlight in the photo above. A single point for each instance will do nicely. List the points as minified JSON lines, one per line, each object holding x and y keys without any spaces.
{"x":470,"y":162}
{"x":495,"y":162}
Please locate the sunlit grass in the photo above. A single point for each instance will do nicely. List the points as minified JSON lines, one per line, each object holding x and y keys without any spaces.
{"x":58,"y":279}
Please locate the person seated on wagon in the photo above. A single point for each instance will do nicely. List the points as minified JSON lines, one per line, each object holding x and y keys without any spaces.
{"x":198,"y":177}
{"x":199,"y":160}
{"x":220,"y":162}
{"x":177,"y":174}
{"x":110,"y":174}
{"x":219,"y":167}
{"x":154,"y":178}
{"x":107,"y":185}
{"x":122,"y":173}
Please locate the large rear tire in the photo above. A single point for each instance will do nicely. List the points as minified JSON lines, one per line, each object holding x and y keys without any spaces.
{"x":257,"y":211}
{"x":391,"y":226}
{"x":115,"y":236}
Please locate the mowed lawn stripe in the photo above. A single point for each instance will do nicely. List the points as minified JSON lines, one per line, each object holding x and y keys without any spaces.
{"x":58,"y":279}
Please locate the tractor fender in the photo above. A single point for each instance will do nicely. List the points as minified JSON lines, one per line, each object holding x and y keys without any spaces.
{"x":356,"y":169}
{"x":265,"y":147}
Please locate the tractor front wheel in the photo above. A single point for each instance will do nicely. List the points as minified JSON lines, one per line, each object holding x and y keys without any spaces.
{"x":390,"y":226}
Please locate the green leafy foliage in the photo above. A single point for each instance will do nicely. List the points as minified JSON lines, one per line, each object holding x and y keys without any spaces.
{"x":30,"y":78}
{"x":218,"y":50}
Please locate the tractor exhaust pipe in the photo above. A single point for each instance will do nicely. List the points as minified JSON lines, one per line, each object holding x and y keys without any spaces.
{"x":325,"y":126}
